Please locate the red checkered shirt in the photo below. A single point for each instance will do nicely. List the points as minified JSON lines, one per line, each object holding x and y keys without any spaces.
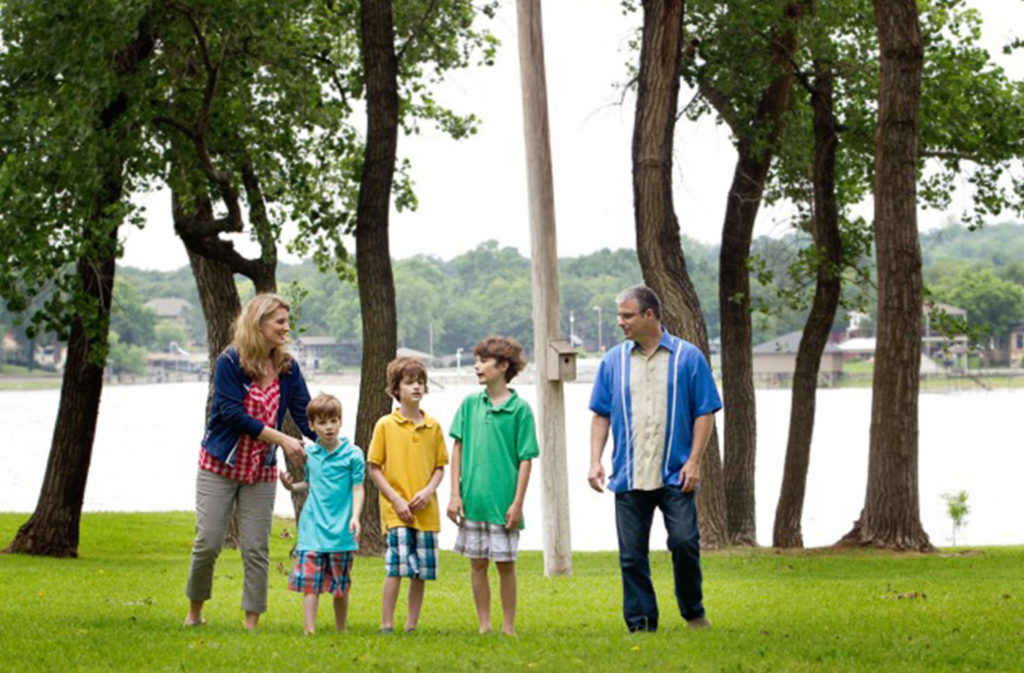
{"x":251,"y":454}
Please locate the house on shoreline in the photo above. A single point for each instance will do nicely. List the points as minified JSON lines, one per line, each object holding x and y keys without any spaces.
{"x":775,"y":359}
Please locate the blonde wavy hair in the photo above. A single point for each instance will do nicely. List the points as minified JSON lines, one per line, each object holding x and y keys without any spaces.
{"x":249,"y":341}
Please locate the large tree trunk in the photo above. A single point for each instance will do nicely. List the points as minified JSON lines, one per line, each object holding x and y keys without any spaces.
{"x":825,"y":229}
{"x":54,"y":526}
{"x":53,"y":529}
{"x":891,"y":515}
{"x":215,"y":282}
{"x":736,"y":334}
{"x":658,"y":243}
{"x":756,"y":149}
{"x":373,"y":257}
{"x":218,"y":296}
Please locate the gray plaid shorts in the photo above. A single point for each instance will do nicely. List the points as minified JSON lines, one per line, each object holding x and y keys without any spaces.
{"x":482,"y":539}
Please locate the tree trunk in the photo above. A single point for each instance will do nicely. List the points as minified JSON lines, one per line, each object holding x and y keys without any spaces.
{"x":53,"y":528}
{"x":891,"y":516}
{"x":825,"y":229}
{"x":215,"y":282}
{"x":736,"y":333}
{"x":658,"y":243}
{"x":756,"y":149}
{"x":373,"y":257}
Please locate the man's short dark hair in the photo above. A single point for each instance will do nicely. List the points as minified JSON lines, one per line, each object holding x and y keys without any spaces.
{"x":644,"y":297}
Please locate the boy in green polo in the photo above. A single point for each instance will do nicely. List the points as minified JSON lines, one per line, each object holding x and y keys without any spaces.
{"x":494,"y":443}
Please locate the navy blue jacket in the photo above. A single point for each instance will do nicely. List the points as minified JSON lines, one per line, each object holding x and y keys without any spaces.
{"x":228,"y":419}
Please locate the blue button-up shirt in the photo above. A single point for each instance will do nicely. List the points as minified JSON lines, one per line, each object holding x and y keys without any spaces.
{"x":691,"y":394}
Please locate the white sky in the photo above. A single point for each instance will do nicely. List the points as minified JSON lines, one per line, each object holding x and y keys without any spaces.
{"x":473,"y":190}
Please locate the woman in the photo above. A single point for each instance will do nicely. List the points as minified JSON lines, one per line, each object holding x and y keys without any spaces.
{"x":254,"y":382}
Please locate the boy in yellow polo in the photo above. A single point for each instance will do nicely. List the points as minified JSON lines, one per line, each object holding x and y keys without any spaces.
{"x":406,"y":461}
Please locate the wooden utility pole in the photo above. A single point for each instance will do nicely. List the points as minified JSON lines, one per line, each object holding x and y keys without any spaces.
{"x":544,"y":263}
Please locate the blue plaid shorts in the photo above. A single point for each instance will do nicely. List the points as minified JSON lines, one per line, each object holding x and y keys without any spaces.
{"x":411,"y":553}
{"x":317,"y":572}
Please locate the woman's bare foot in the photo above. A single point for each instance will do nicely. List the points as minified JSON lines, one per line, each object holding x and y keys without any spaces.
{"x":195,"y":614}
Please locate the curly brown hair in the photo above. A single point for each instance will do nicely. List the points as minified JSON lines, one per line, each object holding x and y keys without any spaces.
{"x":502,"y":349}
{"x":403,"y":368}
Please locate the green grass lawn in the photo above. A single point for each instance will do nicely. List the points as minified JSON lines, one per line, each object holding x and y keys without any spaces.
{"x":119,"y":607}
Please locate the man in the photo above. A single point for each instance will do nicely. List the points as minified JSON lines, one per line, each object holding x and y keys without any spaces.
{"x":655,"y":392}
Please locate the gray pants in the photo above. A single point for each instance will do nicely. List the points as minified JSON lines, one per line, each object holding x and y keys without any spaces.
{"x":214,"y":498}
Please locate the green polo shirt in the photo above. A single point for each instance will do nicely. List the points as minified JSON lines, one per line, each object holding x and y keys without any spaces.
{"x":495,"y":439}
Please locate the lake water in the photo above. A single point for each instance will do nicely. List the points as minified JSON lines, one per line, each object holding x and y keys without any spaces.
{"x":146,"y":447}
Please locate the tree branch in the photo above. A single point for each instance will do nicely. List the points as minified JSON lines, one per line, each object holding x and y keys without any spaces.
{"x":720,"y":102}
{"x":258,"y":218}
{"x":416,"y":32}
{"x":178,"y":126}
{"x":217,"y":249}
{"x":949,"y":155}
{"x":198,"y":227}
{"x":801,"y":76}
{"x":332,"y":74}
{"x":197,"y":31}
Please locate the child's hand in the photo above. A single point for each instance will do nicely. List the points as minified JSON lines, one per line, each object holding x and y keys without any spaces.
{"x":355,"y":528}
{"x":513,"y":517}
{"x":420,"y":500}
{"x":402,"y":509}
{"x":455,"y":511}
{"x":286,"y":479}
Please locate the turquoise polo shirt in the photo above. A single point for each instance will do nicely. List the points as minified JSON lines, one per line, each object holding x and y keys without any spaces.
{"x":325,"y":518}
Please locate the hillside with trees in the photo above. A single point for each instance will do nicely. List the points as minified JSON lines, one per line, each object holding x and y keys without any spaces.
{"x":487,"y":289}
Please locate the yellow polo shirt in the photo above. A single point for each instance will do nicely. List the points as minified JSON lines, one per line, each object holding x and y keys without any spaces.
{"x":408,"y":453}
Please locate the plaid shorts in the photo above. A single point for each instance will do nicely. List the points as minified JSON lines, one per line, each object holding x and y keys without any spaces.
{"x":317,"y":572}
{"x":411,"y":553}
{"x":483,"y":539}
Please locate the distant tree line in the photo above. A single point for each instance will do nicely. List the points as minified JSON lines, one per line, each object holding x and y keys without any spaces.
{"x":487,"y":289}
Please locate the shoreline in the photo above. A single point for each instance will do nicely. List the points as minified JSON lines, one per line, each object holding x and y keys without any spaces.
{"x":983,"y":380}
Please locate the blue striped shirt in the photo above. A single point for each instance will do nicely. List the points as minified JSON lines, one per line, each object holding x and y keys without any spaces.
{"x":691,"y":394}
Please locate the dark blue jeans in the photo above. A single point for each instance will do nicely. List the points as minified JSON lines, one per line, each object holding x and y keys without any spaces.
{"x":634,"y":512}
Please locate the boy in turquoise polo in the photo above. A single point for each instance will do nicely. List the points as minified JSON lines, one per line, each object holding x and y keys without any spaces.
{"x":329,"y":523}
{"x":495,"y":441}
